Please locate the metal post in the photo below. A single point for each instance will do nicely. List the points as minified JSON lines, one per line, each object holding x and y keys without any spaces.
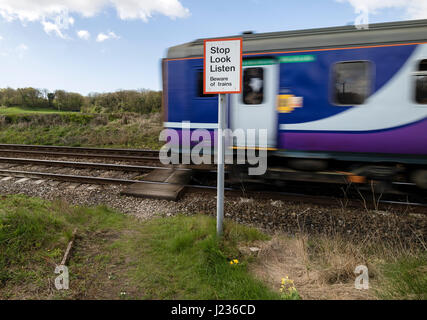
{"x":220,"y":163}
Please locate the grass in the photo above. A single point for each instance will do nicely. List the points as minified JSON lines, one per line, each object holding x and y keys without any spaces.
{"x":405,"y":278}
{"x":117,"y":256}
{"x":181,"y":258}
{"x":75,"y":129}
{"x":323,"y":267}
{"x":34,"y":234}
{"x":22,"y":110}
{"x":396,"y":272}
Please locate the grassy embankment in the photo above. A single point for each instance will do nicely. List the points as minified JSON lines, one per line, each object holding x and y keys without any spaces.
{"x":26,"y":111}
{"x":116,"y":256}
{"x":50,"y":127}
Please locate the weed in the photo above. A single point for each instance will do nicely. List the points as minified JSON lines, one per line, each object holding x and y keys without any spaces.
{"x":405,"y":278}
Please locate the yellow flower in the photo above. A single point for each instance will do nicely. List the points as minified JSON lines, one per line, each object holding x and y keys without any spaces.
{"x":231,"y":262}
{"x":283,"y":280}
{"x":236,"y":261}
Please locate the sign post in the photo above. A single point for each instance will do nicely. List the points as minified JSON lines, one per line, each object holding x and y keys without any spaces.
{"x":222,"y":75}
{"x":222,"y":107}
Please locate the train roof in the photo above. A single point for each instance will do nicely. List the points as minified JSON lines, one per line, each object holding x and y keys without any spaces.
{"x":344,"y":36}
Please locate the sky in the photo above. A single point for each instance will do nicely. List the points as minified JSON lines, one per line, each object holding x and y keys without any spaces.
{"x":107,"y":45}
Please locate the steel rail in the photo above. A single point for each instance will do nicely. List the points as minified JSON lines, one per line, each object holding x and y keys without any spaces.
{"x":89,"y":179}
{"x":79,"y":155}
{"x":79,"y":149}
{"x":292,"y":197}
{"x":85,"y":165}
{"x":100,"y":166}
{"x":65,"y":177}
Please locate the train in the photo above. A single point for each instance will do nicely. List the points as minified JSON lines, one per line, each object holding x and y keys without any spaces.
{"x":336,"y":98}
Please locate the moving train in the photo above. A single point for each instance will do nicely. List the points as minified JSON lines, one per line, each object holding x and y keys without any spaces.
{"x":330,"y":98}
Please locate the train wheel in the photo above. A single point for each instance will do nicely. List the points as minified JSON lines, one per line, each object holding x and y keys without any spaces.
{"x":419,"y":177}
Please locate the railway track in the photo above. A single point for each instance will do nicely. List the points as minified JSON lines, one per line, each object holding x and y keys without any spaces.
{"x":135,"y":152}
{"x":83,"y":165}
{"x":64,"y":177}
{"x":230,"y":191}
{"x":313,"y":207}
{"x":129,"y":154}
{"x":78,"y":152}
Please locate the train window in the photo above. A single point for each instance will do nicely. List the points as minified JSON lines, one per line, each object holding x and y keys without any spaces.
{"x":253,"y":86}
{"x":352,"y":82}
{"x":200,"y":93}
{"x":421,"y":83}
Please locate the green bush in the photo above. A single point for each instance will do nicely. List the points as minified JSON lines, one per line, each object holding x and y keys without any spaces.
{"x":31,"y":99}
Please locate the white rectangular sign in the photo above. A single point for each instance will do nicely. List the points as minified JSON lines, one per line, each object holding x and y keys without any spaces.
{"x":223,"y":66}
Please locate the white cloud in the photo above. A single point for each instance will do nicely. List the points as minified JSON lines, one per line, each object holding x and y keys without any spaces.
{"x":413,"y":9}
{"x":61,"y":22}
{"x":83,"y":34}
{"x":106,"y":36}
{"x":144,"y":9}
{"x":54,"y":14}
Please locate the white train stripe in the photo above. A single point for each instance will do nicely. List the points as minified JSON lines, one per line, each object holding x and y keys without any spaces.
{"x":191,"y":125}
{"x":392,"y":106}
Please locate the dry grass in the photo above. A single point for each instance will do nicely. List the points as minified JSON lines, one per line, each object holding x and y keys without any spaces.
{"x":90,"y":130}
{"x":338,"y":259}
{"x":141,"y":131}
{"x":323,"y":267}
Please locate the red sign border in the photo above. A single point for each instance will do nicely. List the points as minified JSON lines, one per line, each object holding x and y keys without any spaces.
{"x":204,"y":65}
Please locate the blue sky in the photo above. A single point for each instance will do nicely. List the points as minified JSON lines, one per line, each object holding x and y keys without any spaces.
{"x":40,"y":47}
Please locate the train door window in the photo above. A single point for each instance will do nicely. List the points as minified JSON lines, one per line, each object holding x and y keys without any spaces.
{"x":199,"y":79}
{"x":352,"y":82}
{"x":421,"y":83}
{"x":253,"y":86}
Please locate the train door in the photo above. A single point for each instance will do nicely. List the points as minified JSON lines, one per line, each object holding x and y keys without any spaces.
{"x":255,"y":107}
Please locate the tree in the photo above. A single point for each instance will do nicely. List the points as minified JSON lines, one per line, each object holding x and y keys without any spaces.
{"x":138,"y":101}
{"x":51,"y":98}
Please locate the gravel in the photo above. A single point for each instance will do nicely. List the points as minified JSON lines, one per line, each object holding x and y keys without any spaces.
{"x":405,"y":229}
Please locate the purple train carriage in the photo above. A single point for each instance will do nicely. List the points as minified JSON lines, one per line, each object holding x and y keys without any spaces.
{"x":337,"y":98}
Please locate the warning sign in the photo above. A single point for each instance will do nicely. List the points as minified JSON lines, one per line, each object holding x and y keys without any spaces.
{"x":223,"y":66}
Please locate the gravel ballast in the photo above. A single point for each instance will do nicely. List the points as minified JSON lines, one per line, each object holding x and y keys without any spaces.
{"x":270,"y":215}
